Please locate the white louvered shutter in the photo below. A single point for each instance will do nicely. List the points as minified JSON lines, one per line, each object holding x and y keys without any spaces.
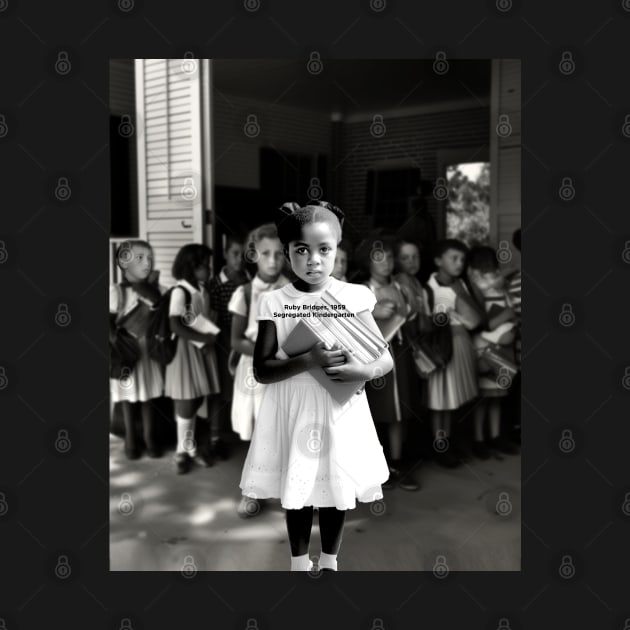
{"x":169,"y":123}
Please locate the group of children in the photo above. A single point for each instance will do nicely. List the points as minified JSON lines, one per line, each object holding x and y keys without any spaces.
{"x":277,"y":406}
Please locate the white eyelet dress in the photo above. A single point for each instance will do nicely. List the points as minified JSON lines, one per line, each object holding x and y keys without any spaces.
{"x":307,"y":449}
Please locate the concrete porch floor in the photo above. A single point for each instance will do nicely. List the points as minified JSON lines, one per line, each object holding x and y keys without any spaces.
{"x":468,"y":518}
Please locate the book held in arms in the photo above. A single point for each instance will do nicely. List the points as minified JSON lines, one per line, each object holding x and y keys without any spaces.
{"x":333,"y":324}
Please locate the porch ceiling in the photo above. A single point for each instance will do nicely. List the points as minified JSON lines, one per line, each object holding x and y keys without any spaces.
{"x":353,"y":86}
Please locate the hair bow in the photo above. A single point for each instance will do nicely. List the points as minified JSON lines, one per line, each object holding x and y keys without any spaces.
{"x":289,"y":207}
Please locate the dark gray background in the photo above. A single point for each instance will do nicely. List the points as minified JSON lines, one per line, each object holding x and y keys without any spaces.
{"x":57,"y":252}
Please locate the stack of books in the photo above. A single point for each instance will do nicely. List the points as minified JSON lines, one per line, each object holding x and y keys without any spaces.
{"x":335,"y":325}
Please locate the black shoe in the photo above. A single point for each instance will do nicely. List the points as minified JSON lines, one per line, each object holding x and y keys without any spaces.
{"x":409,"y":483}
{"x":394,"y":478}
{"x":155,"y":453}
{"x":480,"y":450}
{"x":503,"y":445}
{"x":183,"y":463}
{"x":204,"y":458}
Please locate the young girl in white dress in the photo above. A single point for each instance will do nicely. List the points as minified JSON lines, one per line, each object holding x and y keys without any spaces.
{"x":265,"y":249}
{"x":307,"y":449}
{"x":132,"y":300}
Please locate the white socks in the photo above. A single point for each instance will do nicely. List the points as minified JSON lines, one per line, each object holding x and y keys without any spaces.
{"x":186,"y":436}
{"x":301,"y":563}
{"x":328,"y":561}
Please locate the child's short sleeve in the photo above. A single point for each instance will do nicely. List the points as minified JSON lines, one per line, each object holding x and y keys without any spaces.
{"x":365,"y":298}
{"x":177,"y":305}
{"x":113,"y":298}
{"x":237,"y":303}
{"x":263,"y":308}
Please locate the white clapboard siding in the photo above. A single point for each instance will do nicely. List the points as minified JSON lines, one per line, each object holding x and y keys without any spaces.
{"x":505,"y":153}
{"x":168,"y":101}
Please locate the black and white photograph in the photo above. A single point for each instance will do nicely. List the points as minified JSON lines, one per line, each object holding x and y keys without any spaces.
{"x":315,"y":314}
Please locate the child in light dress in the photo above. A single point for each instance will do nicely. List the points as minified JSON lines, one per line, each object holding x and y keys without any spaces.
{"x":193,"y":374}
{"x":264,"y":249}
{"x":130,"y":303}
{"x":307,"y":449}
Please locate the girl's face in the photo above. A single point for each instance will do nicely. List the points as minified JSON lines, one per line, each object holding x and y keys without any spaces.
{"x":270,"y":258}
{"x":341,"y":264}
{"x":202,"y":272}
{"x":234,"y":257}
{"x":382,"y":263}
{"x":409,"y":259}
{"x":141,"y":264}
{"x":451,"y":262}
{"x":313,"y":256}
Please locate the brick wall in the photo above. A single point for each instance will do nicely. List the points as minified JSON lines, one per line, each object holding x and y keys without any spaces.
{"x":287,"y":129}
{"x":408,"y":142}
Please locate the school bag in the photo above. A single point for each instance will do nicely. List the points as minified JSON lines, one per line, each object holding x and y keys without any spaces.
{"x":234,"y":356}
{"x":124,"y":350}
{"x":161,"y":340}
{"x":436,"y":342}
